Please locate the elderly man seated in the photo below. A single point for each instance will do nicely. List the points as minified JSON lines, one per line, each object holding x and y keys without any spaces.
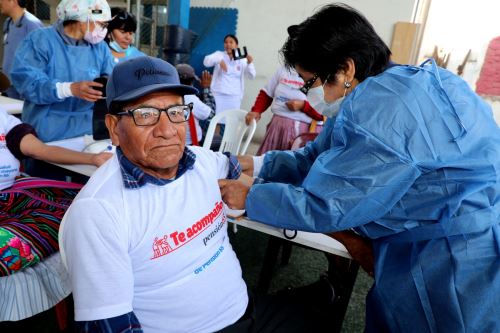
{"x":146,"y":242}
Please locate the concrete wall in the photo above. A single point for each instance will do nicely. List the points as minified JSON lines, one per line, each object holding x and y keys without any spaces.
{"x":262,"y":28}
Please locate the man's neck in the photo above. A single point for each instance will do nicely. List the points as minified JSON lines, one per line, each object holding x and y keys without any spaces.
{"x":169,"y":173}
{"x":17,"y":13}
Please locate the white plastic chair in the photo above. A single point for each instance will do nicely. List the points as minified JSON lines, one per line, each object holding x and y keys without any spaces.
{"x":236,"y":129}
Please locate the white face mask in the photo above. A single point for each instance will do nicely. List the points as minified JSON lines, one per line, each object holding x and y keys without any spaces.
{"x":316,"y":97}
{"x":95,"y":36}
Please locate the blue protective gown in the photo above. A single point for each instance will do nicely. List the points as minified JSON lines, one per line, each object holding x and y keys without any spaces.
{"x":42,"y":60}
{"x":413,"y":163}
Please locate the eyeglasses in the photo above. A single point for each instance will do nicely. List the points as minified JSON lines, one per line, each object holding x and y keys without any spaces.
{"x":308,"y":84}
{"x":149,"y":116}
{"x":103,"y":25}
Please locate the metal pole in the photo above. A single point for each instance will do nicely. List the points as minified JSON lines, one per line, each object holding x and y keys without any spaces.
{"x":139,"y":21}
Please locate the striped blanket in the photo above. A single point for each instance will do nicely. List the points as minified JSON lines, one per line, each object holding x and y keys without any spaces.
{"x":30,"y":213}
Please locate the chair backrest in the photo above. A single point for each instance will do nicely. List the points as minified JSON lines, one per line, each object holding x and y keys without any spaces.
{"x":236,"y":129}
{"x":302,"y":139}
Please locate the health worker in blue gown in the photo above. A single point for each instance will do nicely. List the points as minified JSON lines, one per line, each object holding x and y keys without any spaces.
{"x":54,"y":69}
{"x":411,"y":160}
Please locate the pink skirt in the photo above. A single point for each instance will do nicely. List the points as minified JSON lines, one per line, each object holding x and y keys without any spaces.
{"x":280,"y":133}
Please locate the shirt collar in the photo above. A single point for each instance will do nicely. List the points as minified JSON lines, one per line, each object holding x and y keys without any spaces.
{"x":134,"y":177}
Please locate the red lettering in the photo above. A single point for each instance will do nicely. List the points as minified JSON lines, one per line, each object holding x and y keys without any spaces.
{"x":174,"y":237}
{"x":206,"y":221}
{"x":182,"y":237}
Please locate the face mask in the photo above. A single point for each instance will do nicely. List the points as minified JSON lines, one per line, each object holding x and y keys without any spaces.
{"x":316,"y":97}
{"x":95,"y":36}
{"x":115,"y":46}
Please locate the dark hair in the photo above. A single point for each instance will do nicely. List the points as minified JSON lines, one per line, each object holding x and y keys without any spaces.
{"x":323,"y":42}
{"x":122,"y":20}
{"x":116,"y":107}
{"x":231,"y":36}
{"x":22,"y":3}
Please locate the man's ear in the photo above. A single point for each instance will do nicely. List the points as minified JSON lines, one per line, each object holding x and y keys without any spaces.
{"x":111,"y":122}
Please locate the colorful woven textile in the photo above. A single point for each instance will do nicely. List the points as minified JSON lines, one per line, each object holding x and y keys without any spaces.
{"x":30,"y":214}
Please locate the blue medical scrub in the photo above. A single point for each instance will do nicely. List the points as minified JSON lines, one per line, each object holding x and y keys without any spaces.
{"x":13,"y":34}
{"x":413,"y":163}
{"x":45,"y":58}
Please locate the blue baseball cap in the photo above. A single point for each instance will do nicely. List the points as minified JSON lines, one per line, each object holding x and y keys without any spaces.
{"x":140,"y":76}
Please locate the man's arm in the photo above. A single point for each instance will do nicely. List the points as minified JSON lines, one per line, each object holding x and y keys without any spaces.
{"x":93,"y":242}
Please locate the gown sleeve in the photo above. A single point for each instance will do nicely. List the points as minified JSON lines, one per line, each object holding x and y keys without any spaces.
{"x":354,"y":183}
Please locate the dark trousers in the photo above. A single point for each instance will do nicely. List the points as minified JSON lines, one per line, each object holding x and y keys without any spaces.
{"x":279,"y":314}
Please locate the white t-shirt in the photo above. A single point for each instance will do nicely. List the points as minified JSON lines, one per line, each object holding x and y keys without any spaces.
{"x":201,"y":111}
{"x":230,"y":82}
{"x":160,"y":251}
{"x":9,"y":165}
{"x":283,"y":86}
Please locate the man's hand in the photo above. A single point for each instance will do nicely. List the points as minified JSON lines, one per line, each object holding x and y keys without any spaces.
{"x":99,"y":159}
{"x":206,"y":79}
{"x":252,"y":115}
{"x":295,"y":104}
{"x":223,"y":66}
{"x":234,"y":193}
{"x":249,"y":59}
{"x":246,"y":163}
{"x":85,"y":90}
{"x":359,"y":248}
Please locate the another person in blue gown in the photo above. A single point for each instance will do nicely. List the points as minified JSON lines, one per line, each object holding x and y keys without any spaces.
{"x":16,"y":27}
{"x":411,"y":161}
{"x":54,"y":69}
{"x":121,"y":30}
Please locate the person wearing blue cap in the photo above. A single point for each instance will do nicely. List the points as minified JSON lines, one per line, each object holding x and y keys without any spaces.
{"x":410,"y":161}
{"x":150,"y":224}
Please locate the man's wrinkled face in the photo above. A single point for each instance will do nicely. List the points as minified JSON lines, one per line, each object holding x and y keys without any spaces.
{"x":156,"y":149}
